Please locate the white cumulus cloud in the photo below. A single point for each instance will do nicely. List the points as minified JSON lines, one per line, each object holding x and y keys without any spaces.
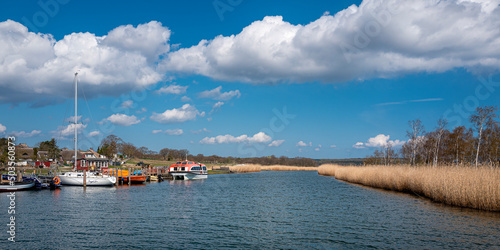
{"x":172,"y":89}
{"x":276,"y":143}
{"x":36,"y":66}
{"x":185,"y":99}
{"x":127,"y":104}
{"x":260,"y":137}
{"x":303,"y":144}
{"x":177,"y":131}
{"x":94,"y":133}
{"x":375,"y":39}
{"x":123,"y":120}
{"x":216,"y":107}
{"x":69,"y":130}
{"x":380,"y":140}
{"x":182,"y":114}
{"x":25,"y":134}
{"x":216,"y":94}
{"x":2,"y":128}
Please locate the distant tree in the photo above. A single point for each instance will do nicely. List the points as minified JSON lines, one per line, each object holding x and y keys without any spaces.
{"x":110,"y":145}
{"x":165,"y":152}
{"x":389,"y":153}
{"x":183,"y":153}
{"x":35,"y":155}
{"x":482,"y":119}
{"x":51,"y":147}
{"x":143,"y":151}
{"x":440,"y":130}
{"x":416,"y":130}
{"x":4,"y":150}
{"x":128,"y":149}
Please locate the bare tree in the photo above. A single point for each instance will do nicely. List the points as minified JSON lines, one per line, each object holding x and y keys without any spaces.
{"x":483,"y":118}
{"x":165,"y":152}
{"x":442,"y":123}
{"x":416,"y":130}
{"x":128,"y":149}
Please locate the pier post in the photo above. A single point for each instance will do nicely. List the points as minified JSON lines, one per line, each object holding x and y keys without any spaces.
{"x":121,"y":173}
{"x":129,"y":176}
{"x":116,"y":175}
{"x":149,"y":174}
{"x":84,"y":178}
{"x":19,"y":175}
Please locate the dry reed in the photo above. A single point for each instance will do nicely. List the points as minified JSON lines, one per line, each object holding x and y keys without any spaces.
{"x":245,"y":168}
{"x":477,"y":188}
{"x":287,"y":168}
{"x":250,"y":168}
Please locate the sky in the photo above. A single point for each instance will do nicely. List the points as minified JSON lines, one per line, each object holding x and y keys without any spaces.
{"x":318,"y":79}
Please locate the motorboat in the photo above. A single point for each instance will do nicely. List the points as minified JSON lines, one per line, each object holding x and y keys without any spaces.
{"x":188,"y":170}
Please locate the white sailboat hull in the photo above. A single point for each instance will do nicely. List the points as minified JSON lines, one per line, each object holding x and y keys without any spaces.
{"x":76,"y":179}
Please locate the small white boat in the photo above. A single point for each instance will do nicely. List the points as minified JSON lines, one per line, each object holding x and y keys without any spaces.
{"x":188,"y":170}
{"x":76,"y":179}
{"x":18,"y":186}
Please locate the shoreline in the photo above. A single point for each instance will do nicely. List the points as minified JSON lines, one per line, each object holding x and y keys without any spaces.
{"x":461,"y":187}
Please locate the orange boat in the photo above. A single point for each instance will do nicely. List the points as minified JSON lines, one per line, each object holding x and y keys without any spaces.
{"x":135,"y":179}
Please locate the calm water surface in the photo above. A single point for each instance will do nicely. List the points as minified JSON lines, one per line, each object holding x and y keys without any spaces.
{"x":257,"y":210}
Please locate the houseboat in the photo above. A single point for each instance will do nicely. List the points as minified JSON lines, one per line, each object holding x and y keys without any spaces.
{"x":188,"y":170}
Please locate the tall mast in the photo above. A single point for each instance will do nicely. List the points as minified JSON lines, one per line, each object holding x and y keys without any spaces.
{"x":76,"y":121}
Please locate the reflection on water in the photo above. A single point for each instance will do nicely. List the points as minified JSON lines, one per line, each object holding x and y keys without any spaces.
{"x":255,"y":210}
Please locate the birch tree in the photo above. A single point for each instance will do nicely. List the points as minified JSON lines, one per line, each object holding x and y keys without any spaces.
{"x":442,"y":123}
{"x":483,"y":118}
{"x":416,"y":130}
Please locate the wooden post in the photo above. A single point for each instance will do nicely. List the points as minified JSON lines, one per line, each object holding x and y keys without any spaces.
{"x":121,"y":173}
{"x":19,"y":175}
{"x":149,"y":174}
{"x":129,"y":176}
{"x":116,"y":175}
{"x":84,"y":178}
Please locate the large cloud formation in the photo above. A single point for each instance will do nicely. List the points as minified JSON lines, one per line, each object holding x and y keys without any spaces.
{"x":34,"y":66}
{"x":377,"y":39}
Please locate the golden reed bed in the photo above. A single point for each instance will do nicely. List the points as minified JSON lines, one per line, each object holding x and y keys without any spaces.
{"x":250,"y":168}
{"x":477,"y":188}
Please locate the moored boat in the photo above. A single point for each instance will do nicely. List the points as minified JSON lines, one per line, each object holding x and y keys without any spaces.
{"x":135,"y":179}
{"x":188,"y":170}
{"x":85,"y":178}
{"x":91,"y":179}
{"x":17,"y":186}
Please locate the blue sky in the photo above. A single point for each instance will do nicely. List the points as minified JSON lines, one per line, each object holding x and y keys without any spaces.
{"x":319,"y":79}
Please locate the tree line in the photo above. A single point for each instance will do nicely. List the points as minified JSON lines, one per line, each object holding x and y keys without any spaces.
{"x":474,"y":146}
{"x":117,"y":149}
{"x":113,"y":145}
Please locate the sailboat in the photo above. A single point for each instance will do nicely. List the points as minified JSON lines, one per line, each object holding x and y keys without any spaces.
{"x":79,"y":178}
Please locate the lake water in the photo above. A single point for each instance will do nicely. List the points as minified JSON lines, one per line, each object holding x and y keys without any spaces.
{"x":300,"y":210}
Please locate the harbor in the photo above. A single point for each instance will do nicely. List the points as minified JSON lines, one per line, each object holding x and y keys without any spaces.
{"x":231,"y":124}
{"x":250,"y":210}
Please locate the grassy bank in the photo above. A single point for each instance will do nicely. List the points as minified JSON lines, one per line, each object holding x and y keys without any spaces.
{"x":465,"y":187}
